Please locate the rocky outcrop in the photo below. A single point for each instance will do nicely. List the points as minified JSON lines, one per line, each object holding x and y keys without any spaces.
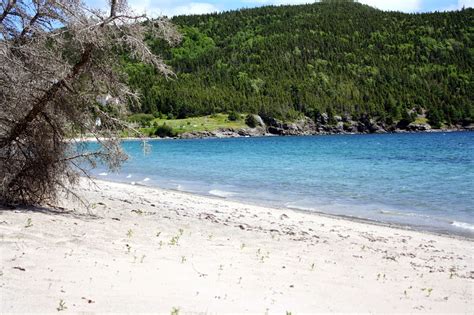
{"x":196,"y":135}
{"x":418,"y":127}
{"x":344,"y":124}
{"x":253,"y":132}
{"x":304,"y":126}
{"x":259,"y":121}
{"x":225,"y":133}
{"x":469,"y":127}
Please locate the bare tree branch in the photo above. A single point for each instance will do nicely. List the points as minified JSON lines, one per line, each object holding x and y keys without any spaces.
{"x":58,"y":58}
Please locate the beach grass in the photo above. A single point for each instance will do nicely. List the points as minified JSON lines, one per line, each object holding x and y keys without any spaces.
{"x":421,"y":120}
{"x":202,"y":123}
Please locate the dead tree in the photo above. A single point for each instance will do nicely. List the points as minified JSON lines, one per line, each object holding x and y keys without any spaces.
{"x":58,"y":59}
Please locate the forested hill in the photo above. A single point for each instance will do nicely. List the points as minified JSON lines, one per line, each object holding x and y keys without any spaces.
{"x":336,"y":57}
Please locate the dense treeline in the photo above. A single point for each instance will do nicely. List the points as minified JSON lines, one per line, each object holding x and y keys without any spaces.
{"x":336,"y":57}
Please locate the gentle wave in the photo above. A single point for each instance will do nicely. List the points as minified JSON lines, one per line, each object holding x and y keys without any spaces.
{"x":221,"y":193}
{"x":103,"y":174}
{"x":146,"y":179}
{"x":404,"y":214}
{"x":463,"y":225}
{"x":296,"y":207}
{"x":129,"y":176}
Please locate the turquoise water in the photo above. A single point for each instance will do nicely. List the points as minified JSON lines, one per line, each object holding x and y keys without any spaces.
{"x":424,"y":180}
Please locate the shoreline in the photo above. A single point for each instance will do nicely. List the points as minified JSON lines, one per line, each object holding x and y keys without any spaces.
{"x":143,"y":249}
{"x":463,"y":233}
{"x":236,"y":135}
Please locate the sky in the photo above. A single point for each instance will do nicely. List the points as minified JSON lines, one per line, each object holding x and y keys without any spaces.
{"x":178,"y":7}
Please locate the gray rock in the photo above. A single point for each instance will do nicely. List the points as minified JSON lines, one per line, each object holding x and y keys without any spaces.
{"x":225,"y":133}
{"x":304,"y":126}
{"x":347,"y":118}
{"x":350,"y":126}
{"x":468,"y":127}
{"x":252,"y":132}
{"x":275,"y":130}
{"x":362,"y":128}
{"x":259,"y":120}
{"x":418,"y":127}
{"x":324,"y":119}
{"x":196,"y":135}
{"x":374,"y":127}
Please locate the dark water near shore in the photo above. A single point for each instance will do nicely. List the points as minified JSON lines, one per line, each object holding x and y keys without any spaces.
{"x":424,"y":180}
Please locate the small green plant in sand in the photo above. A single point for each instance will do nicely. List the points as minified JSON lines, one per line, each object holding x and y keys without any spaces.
{"x":62,"y":306}
{"x":242,"y":246}
{"x":183,"y":259}
{"x":174,"y":311}
{"x":158,"y":234}
{"x":29,"y":223}
{"x":452,"y":272}
{"x":129,"y":233}
{"x":261,"y":256}
{"x":174,"y":240}
{"x":428,"y":291}
{"x":312,"y":266}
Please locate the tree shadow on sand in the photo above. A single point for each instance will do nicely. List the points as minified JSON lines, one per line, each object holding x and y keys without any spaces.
{"x":49,"y":210}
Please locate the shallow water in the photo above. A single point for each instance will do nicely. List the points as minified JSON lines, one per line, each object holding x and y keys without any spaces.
{"x":424,"y":180}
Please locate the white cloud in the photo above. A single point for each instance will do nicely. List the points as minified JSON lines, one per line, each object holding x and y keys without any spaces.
{"x":194,"y":8}
{"x":399,"y":5}
{"x":466,"y":3}
{"x":169,"y":8}
{"x":389,"y":5}
{"x":461,"y":4}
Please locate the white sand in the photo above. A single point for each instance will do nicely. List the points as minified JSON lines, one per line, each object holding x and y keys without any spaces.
{"x":152,"y":250}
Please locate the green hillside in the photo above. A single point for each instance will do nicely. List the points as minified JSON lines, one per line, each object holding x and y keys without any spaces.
{"x":336,"y":57}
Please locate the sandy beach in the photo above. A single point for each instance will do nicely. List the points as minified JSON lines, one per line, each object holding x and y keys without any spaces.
{"x":140,"y":249}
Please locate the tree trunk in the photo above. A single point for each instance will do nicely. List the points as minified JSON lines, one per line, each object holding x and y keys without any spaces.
{"x":49,"y":95}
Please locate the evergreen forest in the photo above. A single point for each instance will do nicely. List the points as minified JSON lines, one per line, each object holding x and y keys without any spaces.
{"x":334,"y":57}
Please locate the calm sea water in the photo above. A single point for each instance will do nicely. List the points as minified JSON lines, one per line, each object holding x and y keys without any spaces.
{"x":424,"y":180}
